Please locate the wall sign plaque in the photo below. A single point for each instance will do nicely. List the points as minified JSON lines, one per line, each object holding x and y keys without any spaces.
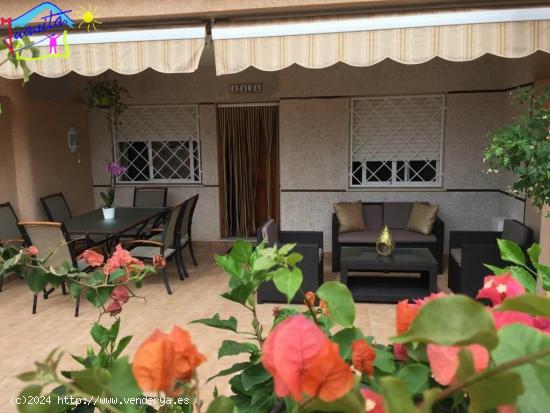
{"x":246,"y":88}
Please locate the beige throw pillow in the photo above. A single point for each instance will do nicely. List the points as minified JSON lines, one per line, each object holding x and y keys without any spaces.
{"x":422,"y":218}
{"x":350,"y":216}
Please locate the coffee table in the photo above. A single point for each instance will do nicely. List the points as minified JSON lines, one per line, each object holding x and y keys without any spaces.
{"x":388,"y":288}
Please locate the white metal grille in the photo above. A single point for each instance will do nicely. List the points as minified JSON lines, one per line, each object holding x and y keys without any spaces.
{"x":396,"y":140}
{"x":159,"y":144}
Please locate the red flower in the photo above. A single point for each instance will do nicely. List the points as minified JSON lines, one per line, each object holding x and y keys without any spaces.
{"x":502,"y":318}
{"x":374,"y":402}
{"x":444,"y":360}
{"x":400,"y":352}
{"x":542,"y":324}
{"x":120,"y":294}
{"x":276,"y":311}
{"x":363,"y":356}
{"x":324,"y":308}
{"x":302,"y":360}
{"x":159,"y":261}
{"x":405,"y":314}
{"x":310,"y":298}
{"x":120,"y":258}
{"x":92,"y":258}
{"x":32,"y":251}
{"x":114,"y":308}
{"x":498,"y":287}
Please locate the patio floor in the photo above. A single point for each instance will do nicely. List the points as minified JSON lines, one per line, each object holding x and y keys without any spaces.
{"x":27,"y":337}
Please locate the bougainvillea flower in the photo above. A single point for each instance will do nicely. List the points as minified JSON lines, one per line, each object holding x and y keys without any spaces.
{"x":431,"y":297}
{"x":187,"y":357}
{"x":120,"y":258}
{"x":309,"y":298}
{"x":542,"y":324}
{"x":502,"y":318}
{"x":363,"y":356}
{"x":120,"y":294}
{"x":92,"y":258}
{"x":405,"y":314}
{"x":506,"y":409}
{"x":32,"y":251}
{"x":162,"y":359}
{"x":374,"y":402}
{"x":324,"y":308}
{"x":444,"y":360}
{"x":159,"y":261}
{"x":400,"y":352}
{"x":114,"y":307}
{"x":498,"y":287}
{"x":302,"y":359}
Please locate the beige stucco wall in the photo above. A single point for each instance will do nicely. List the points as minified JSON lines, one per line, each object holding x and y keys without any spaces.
{"x":7,"y":161}
{"x":40,"y":158}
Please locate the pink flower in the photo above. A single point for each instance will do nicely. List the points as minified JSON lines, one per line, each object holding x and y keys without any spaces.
{"x":374,"y":402}
{"x":114,"y":308}
{"x":506,"y":409}
{"x":444,"y":360}
{"x":120,"y":258}
{"x":115,"y":169}
{"x":400,"y":352}
{"x":159,"y":261}
{"x":32,"y":251}
{"x":499,"y":287}
{"x":431,"y":297}
{"x":502,"y":318}
{"x":120,"y":294}
{"x":543,"y":324}
{"x":92,"y":258}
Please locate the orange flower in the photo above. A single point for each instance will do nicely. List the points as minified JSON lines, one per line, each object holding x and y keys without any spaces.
{"x":302,"y":359}
{"x":309,"y":298}
{"x":32,"y":250}
{"x":444,"y":360}
{"x":363,"y":356}
{"x":162,"y":359}
{"x":405,"y":314}
{"x":92,"y":258}
{"x":159,"y":261}
{"x":324,"y":308}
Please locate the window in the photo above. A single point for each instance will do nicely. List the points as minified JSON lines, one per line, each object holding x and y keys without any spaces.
{"x":396,"y":141}
{"x":159,"y":144}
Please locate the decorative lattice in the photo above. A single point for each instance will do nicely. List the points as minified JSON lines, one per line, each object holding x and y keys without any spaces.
{"x":159,"y":144}
{"x":396,"y":140}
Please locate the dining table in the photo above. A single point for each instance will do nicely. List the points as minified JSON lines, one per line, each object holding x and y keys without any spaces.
{"x":128,"y":221}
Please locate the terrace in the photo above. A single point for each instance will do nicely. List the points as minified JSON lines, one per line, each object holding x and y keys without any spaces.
{"x":321,"y":129}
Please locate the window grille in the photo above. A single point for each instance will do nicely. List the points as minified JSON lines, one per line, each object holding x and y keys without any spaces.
{"x":159,"y":144}
{"x":396,"y":141}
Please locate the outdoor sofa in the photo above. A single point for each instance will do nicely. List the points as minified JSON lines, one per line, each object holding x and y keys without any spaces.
{"x":396,"y":216}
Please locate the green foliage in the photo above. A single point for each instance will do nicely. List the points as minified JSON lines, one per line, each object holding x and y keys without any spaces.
{"x":523,"y":147}
{"x":339,"y":302}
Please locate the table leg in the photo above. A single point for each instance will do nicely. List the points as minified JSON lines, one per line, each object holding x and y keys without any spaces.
{"x":433,"y":280}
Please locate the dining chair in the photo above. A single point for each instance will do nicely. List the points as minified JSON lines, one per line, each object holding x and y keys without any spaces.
{"x":164,"y":244}
{"x":150,"y":196}
{"x":186,"y":239}
{"x":10,"y":234}
{"x":50,"y":237}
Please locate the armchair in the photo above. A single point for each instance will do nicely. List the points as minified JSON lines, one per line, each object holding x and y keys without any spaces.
{"x":309,"y":244}
{"x":470,"y":250}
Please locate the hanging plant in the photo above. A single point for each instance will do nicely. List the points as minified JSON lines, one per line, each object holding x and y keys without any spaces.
{"x":107,"y":94}
{"x":523,"y":148}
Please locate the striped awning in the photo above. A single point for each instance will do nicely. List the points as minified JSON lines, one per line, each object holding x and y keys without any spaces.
{"x":405,"y":38}
{"x":175,"y":50}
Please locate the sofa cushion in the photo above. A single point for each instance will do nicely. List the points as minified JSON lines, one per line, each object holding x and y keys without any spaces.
{"x":514,"y":231}
{"x":374,"y":216}
{"x":270,"y":233}
{"x":359,"y":237}
{"x":422,"y":218}
{"x":350,"y":216}
{"x":396,"y":214}
{"x":403,"y":235}
{"x":456,"y":254}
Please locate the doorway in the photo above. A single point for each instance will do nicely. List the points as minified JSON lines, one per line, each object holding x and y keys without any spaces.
{"x":248,"y":147}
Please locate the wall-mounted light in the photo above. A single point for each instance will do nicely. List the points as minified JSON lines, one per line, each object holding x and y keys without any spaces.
{"x":72,"y":142}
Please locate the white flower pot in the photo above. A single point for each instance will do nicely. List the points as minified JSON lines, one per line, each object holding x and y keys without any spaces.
{"x":108,"y":213}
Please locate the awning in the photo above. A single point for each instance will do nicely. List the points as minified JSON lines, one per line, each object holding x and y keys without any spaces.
{"x":406,"y":38}
{"x":174,"y":50}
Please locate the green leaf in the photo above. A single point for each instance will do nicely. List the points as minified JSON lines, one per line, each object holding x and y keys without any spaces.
{"x":217,"y":322}
{"x":452,"y":321}
{"x":416,"y":376}
{"x":517,"y":340}
{"x":116,"y":274}
{"x":524,"y":277}
{"x":294,"y":259}
{"x":544,"y":273}
{"x":510,"y":251}
{"x":285,"y":249}
{"x":496,"y":270}
{"x":384,"y":361}
{"x":222,"y":404}
{"x":239,"y":294}
{"x":98,"y":296}
{"x":124,"y":341}
{"x":397,"y":398}
{"x":241,"y":251}
{"x":31,"y":393}
{"x":74,"y":289}
{"x":36,"y":280}
{"x":233,"y":369}
{"x":263,"y":263}
{"x":100,"y":335}
{"x":93,"y":381}
{"x":122,"y":384}
{"x":534,"y":254}
{"x":232,"y":348}
{"x":353,"y":402}
{"x":531,"y":304}
{"x":345,"y":338}
{"x":288,"y":281}
{"x":229,"y":265}
{"x":254,"y":375}
{"x":339,"y":302}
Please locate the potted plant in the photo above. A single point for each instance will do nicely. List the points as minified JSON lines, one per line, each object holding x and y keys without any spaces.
{"x":108,"y":197}
{"x":106,"y":94}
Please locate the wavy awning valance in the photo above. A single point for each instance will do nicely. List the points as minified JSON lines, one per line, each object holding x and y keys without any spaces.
{"x":175,"y":50}
{"x":405,"y":38}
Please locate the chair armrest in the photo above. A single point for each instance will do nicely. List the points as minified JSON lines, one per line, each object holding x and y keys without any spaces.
{"x":475,"y":256}
{"x":144,"y":242}
{"x":302,"y":237}
{"x":439,"y":229}
{"x":487,"y":238}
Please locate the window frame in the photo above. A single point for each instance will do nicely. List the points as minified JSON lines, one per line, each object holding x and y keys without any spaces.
{"x":148,"y":142}
{"x":394,"y":183}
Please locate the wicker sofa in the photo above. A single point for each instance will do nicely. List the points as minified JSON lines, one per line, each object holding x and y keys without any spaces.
{"x":396,"y":216}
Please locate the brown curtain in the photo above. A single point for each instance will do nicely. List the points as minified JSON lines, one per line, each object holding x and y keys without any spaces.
{"x":242,"y":129}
